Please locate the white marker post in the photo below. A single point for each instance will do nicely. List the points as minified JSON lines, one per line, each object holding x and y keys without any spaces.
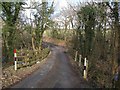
{"x":87,"y":65}
{"x":85,"y":73}
{"x":76,"y":55}
{"x":80,"y":60}
{"x":15,"y":55}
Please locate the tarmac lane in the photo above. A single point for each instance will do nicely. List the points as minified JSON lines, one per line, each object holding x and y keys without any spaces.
{"x":57,"y":72}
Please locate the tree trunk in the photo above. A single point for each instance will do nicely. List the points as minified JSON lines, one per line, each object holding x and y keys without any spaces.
{"x":33,"y":46}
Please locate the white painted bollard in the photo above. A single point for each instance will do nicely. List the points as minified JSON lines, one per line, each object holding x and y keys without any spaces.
{"x":76,"y":55}
{"x":80,"y":60}
{"x":15,"y":55}
{"x":87,"y":65}
{"x":85,"y":72}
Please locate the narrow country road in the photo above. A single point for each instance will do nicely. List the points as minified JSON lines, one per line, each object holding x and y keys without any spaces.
{"x":57,"y":72}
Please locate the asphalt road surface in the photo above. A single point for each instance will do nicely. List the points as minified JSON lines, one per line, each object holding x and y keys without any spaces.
{"x":57,"y":72}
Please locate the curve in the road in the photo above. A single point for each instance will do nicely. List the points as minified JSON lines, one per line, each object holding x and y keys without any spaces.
{"x":57,"y":72}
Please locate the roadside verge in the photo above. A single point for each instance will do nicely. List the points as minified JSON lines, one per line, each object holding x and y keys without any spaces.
{"x":11,"y":77}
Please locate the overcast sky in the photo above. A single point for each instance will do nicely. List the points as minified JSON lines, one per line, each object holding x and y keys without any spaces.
{"x":58,"y":4}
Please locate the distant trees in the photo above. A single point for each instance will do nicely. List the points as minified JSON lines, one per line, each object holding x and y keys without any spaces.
{"x":42,"y":21}
{"x":63,"y":24}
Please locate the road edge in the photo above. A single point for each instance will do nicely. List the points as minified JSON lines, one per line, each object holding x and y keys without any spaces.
{"x":29,"y":73}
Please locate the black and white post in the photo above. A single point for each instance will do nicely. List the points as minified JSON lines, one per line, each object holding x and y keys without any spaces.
{"x":85,"y":72}
{"x":76,"y":55}
{"x":15,"y":55}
